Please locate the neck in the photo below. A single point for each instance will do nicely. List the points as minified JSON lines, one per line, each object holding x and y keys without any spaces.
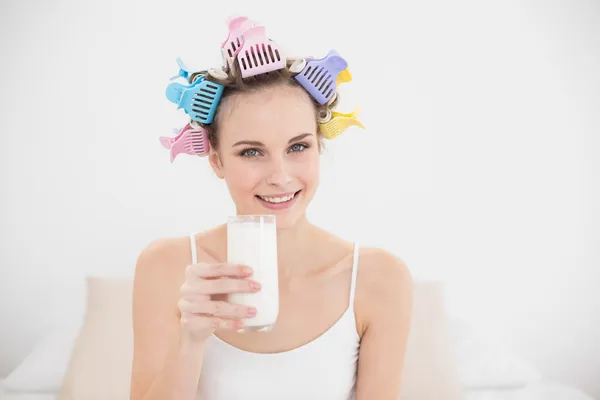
{"x":295,"y":243}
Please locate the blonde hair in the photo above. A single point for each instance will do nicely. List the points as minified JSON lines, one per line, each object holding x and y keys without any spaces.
{"x":235,"y":85}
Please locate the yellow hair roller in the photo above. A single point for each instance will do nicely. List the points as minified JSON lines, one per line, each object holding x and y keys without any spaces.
{"x":339,"y":122}
{"x":343,"y":77}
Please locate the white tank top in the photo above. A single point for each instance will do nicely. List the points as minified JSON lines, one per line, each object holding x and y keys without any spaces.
{"x":324,"y":368}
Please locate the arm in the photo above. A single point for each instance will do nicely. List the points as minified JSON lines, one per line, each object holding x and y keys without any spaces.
{"x":386,"y":305}
{"x":166,"y":361}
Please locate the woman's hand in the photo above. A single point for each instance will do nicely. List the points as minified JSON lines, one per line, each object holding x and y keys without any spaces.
{"x":203,"y":301}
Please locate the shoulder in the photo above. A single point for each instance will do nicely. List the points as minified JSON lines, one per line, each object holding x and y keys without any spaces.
{"x":161,"y":266}
{"x":169,"y":256}
{"x":164,"y":252}
{"x":159,"y":274}
{"x":384,"y":282}
{"x":380,"y":270}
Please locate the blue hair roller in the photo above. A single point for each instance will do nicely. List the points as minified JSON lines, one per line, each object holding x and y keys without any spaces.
{"x":199,"y":100}
{"x":184,"y":71}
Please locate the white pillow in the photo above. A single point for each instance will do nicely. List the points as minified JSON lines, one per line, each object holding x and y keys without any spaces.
{"x":484,"y":363}
{"x":430,"y":370}
{"x":100,"y":362}
{"x":45,"y":366}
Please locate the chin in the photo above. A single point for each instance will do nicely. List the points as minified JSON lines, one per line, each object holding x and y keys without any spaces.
{"x":287,"y":221}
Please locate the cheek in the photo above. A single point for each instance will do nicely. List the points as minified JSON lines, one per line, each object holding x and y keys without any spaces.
{"x":241,"y":176}
{"x":308,"y":170}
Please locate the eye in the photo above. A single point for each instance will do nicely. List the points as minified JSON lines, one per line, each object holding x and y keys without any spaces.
{"x":249,"y":153}
{"x":298,"y":147}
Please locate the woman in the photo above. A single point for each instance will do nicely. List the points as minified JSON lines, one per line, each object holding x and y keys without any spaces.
{"x":344,"y":313}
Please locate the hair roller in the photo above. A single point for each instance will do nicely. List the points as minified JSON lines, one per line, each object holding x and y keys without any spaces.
{"x":324,"y":115}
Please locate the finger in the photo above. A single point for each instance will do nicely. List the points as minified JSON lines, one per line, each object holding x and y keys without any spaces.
{"x":194,"y":322}
{"x":189,"y":291}
{"x":221,"y":309}
{"x":225,"y":285}
{"x":218,"y":270}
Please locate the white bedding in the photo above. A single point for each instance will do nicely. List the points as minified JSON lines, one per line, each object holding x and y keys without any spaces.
{"x":486,"y":369}
{"x":534,"y":391}
{"x":25,"y":396}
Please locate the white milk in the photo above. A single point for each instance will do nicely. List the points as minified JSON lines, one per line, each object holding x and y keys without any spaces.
{"x":252,"y":241}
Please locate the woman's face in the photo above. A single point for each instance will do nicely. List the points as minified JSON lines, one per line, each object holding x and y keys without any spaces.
{"x":269,"y":152}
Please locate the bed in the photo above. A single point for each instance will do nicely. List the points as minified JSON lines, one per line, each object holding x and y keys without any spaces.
{"x":534,"y":391}
{"x":465,"y":363}
{"x":19,"y":395}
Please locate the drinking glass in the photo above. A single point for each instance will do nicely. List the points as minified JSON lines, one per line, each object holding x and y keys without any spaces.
{"x":252,"y":241}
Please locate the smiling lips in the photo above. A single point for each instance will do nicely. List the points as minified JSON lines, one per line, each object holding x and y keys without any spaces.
{"x":279,"y":201}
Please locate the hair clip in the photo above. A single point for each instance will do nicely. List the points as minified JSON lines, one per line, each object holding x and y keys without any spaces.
{"x":338,"y":123}
{"x":198,"y":100}
{"x":258,"y":54}
{"x":167,"y":142}
{"x":321,"y":76}
{"x":184,"y":71}
{"x":343,"y":77}
{"x":235,"y":38}
{"x":190,"y":141}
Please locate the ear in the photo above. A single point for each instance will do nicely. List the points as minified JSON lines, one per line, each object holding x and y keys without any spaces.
{"x":215,"y":163}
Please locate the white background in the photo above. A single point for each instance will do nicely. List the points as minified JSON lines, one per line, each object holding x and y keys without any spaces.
{"x":479,"y":166}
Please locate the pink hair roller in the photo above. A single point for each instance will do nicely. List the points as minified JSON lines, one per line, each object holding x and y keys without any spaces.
{"x":191,"y":140}
{"x":235,"y":38}
{"x":258,"y":54}
{"x":167,"y":142}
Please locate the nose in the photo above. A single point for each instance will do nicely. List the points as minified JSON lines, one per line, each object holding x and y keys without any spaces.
{"x":279,"y":172}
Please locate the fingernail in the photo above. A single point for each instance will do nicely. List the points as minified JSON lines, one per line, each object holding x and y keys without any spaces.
{"x":246,"y":270}
{"x":251,"y":312}
{"x":255,"y":285}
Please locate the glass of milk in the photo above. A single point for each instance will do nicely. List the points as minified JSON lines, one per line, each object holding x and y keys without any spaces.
{"x":252,"y":241}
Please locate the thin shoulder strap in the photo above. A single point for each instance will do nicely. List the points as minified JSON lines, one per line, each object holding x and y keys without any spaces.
{"x":193,"y":246}
{"x":354,"y":273}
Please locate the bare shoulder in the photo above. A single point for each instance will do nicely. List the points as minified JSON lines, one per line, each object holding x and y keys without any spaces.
{"x":384,"y":282}
{"x":163,"y":248}
{"x":163,"y":255}
{"x":160,"y":269}
{"x":168,"y":257}
{"x":380,"y":269}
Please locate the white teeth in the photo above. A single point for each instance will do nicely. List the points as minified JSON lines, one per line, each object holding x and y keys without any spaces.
{"x":277,"y":199}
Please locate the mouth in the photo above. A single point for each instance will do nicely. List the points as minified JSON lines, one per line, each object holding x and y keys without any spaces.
{"x":279,"y":201}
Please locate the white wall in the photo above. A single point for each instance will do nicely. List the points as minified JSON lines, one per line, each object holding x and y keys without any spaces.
{"x":479,"y":166}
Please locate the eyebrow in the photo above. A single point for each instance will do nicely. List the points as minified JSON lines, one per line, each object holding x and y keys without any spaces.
{"x":260,"y":144}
